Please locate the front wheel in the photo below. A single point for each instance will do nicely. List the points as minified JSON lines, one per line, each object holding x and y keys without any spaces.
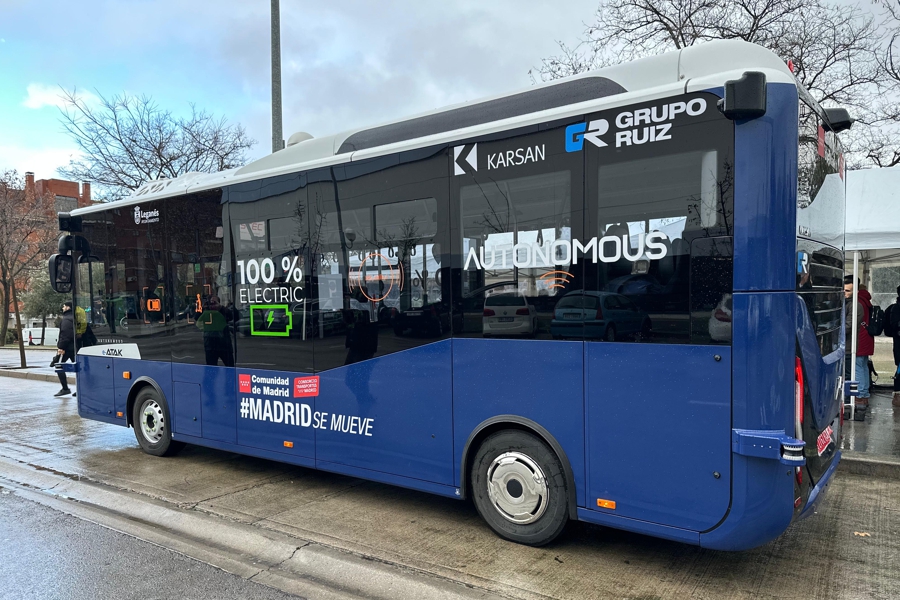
{"x":152,"y":424}
{"x":519,"y":488}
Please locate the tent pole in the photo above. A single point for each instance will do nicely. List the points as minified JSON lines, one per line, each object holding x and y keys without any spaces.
{"x":854,"y":333}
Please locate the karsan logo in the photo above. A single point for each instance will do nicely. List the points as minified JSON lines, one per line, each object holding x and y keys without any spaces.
{"x":112,"y":352}
{"x":143,"y":217}
{"x":465,"y":158}
{"x":633,"y":128}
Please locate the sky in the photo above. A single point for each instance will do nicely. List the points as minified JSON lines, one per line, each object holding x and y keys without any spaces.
{"x":345,"y":63}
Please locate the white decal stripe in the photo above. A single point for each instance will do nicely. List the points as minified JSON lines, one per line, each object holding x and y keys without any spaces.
{"x":112,"y":351}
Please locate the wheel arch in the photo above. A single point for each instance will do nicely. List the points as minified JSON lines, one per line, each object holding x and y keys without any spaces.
{"x":139,"y":384}
{"x":515,"y":422}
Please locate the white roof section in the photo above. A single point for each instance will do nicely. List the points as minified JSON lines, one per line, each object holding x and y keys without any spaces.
{"x":688,"y":70}
{"x":873,"y":209}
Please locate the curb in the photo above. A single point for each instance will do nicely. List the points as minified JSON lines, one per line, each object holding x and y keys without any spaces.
{"x":292,"y":564}
{"x":23,"y":374}
{"x":861,"y":464}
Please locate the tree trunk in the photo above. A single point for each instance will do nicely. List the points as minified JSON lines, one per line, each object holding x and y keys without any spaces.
{"x":12,"y":289}
{"x":4,"y":314}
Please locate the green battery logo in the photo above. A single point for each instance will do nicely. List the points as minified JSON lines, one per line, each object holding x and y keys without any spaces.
{"x":271,"y":319}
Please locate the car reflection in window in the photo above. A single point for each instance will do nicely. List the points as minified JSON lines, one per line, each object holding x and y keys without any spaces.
{"x":508,"y":315}
{"x":599,"y":316}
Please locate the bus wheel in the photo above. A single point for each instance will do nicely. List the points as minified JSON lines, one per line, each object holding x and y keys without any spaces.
{"x":152,"y":425}
{"x":518,"y":486}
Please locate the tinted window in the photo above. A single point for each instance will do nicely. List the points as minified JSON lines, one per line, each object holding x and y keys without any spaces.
{"x":505,"y":300}
{"x":658,"y":183}
{"x":379,"y":233}
{"x":515,"y":217}
{"x":579,"y":301}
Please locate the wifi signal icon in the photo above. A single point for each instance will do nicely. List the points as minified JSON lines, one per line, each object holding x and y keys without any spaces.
{"x":556,"y":279}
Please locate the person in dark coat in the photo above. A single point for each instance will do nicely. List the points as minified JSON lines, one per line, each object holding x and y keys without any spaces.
{"x":65,"y":346}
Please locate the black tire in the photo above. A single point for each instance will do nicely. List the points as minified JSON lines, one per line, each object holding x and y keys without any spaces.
{"x":539,"y":523}
{"x":152,"y":424}
{"x":610,"y":333}
{"x":645,"y":333}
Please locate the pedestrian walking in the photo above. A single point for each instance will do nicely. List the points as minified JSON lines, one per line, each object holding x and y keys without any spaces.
{"x":65,"y":347}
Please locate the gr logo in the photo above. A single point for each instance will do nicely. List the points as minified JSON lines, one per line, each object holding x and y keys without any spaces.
{"x":577,"y":133}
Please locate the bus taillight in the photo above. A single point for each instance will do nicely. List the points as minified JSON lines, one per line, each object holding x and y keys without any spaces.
{"x":798,"y":392}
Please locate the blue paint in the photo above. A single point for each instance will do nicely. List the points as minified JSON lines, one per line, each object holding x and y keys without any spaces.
{"x":407,"y":396}
{"x":765,"y":194}
{"x":95,"y":387}
{"x":661,"y":531}
{"x":822,"y":374}
{"x":658,"y":427}
{"x":537,"y":380}
{"x":217,"y":397}
{"x":817,"y":494}
{"x":185,"y":409}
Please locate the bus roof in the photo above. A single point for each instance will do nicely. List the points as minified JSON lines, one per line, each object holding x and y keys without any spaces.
{"x":691,"y":69}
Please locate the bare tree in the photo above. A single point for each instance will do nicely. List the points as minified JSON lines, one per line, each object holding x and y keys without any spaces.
{"x":129,"y":140}
{"x":836,"y":49}
{"x":27,"y":236}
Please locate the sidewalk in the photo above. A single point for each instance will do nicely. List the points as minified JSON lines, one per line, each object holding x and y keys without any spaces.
{"x":38,"y":361}
{"x":872,"y":447}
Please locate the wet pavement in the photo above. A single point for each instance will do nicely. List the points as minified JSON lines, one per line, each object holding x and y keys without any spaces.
{"x":849,"y":550}
{"x":48,"y":555}
{"x":879,"y":435}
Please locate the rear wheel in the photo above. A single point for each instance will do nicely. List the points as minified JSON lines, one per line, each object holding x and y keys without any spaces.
{"x":519,"y":488}
{"x":152,"y":424}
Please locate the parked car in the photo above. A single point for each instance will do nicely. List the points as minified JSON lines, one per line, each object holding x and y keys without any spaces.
{"x":508,"y":315}
{"x":32,"y":336}
{"x":720,"y":320}
{"x":600,"y":316}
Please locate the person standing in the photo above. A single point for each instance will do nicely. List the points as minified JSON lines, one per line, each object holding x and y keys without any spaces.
{"x":65,"y":346}
{"x":892,"y":329}
{"x":865,"y":344}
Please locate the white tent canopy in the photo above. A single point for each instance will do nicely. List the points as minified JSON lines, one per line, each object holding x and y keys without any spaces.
{"x":873,"y":209}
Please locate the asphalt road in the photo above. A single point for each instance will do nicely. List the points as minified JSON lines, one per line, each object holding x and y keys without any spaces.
{"x":49,"y":555}
{"x":296,"y":522}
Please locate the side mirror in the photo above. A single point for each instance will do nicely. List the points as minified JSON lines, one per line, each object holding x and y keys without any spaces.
{"x":838,"y":119}
{"x":61,"y":273}
{"x":745,"y":98}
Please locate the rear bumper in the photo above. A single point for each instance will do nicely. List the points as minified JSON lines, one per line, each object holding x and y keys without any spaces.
{"x":817,"y":495}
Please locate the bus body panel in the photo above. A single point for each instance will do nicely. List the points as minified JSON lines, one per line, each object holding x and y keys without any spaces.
{"x":272,"y":421}
{"x":765,"y":182}
{"x":97,"y":397}
{"x":406,"y":397}
{"x":158,"y":372}
{"x":658,"y":431}
{"x":507,"y":377}
{"x":218,"y":407}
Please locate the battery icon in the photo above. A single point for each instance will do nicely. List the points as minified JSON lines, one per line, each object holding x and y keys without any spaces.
{"x":271,"y":319}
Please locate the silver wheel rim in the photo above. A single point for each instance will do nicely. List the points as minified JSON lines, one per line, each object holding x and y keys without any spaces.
{"x":153,"y":421}
{"x":517,"y":488}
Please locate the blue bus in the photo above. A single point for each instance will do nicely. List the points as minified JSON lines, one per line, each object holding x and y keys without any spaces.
{"x":615,"y":298}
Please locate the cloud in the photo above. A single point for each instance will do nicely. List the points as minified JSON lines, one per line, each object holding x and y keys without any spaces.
{"x":43,"y":162}
{"x":41,"y":95}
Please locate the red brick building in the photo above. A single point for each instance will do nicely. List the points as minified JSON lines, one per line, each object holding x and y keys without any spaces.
{"x":69,"y":195}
